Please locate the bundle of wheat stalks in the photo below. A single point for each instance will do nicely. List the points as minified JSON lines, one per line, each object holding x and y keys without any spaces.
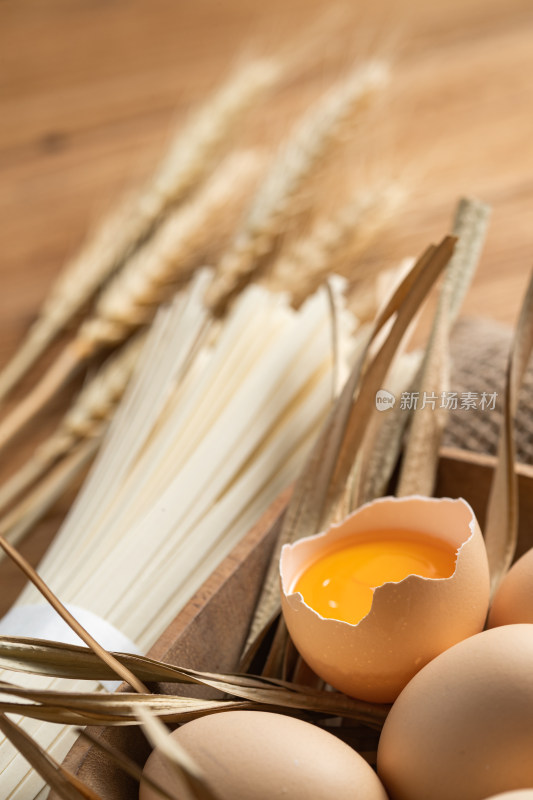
{"x":249,"y":376}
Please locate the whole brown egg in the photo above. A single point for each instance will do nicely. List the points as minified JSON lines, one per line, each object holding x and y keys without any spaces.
{"x":257,"y":755}
{"x":462,"y":729}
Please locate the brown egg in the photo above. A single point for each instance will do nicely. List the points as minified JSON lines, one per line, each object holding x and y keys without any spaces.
{"x":256,"y":755}
{"x":513,"y":601}
{"x":410,"y":621}
{"x":520,"y":794}
{"x":463,"y":727}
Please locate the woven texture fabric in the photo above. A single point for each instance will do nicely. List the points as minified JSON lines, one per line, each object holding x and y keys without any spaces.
{"x":480,"y":350}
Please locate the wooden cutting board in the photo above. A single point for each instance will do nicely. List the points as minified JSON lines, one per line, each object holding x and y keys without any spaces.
{"x":90,"y":92}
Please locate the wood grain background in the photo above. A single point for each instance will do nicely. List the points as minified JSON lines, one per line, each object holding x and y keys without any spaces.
{"x":91,"y":90}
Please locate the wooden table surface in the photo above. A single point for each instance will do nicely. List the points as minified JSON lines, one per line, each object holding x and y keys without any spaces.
{"x":91,"y":90}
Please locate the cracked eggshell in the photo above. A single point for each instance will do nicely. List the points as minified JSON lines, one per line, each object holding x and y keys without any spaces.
{"x":463,"y":727}
{"x":513,"y":601}
{"x":410,"y":622}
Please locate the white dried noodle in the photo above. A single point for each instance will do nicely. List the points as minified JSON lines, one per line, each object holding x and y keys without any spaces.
{"x":216,"y":423}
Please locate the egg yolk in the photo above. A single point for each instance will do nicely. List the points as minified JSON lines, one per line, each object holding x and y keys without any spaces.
{"x":340,"y":584}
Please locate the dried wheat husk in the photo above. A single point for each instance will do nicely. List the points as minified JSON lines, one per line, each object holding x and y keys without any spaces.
{"x":501,"y":526}
{"x":189,"y":159}
{"x":279,"y":199}
{"x":150,"y":277}
{"x":78,"y":708}
{"x":70,"y":661}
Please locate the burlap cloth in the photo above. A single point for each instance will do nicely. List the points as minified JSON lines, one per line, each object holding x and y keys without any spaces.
{"x":480,"y":350}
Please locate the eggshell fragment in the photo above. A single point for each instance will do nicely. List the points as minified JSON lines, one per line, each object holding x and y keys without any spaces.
{"x":410,"y":622}
{"x":513,"y":601}
{"x":463,"y":727}
{"x":256,"y":755}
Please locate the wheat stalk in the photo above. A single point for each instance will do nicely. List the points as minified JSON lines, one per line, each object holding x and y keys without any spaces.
{"x":149,"y":277}
{"x":86,"y":419}
{"x":66,"y":786}
{"x":126,"y":763}
{"x":175,"y":757}
{"x":42,"y":657}
{"x":420,"y":459}
{"x":343,"y":237}
{"x":276,"y":204}
{"x":107,"y":658}
{"x":385,"y":436}
{"x":501,"y":526}
{"x":188,"y":160}
{"x":370,"y":292}
{"x":57,"y":478}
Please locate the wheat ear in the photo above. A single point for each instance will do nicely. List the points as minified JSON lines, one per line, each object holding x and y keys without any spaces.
{"x":133,"y":296}
{"x":27,"y":512}
{"x":149,"y":277}
{"x":86,"y":419}
{"x":275,"y":203}
{"x":330,"y":241}
{"x":188,"y":160}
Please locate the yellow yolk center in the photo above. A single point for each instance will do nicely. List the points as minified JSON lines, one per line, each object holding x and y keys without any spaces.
{"x":340,"y":584}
